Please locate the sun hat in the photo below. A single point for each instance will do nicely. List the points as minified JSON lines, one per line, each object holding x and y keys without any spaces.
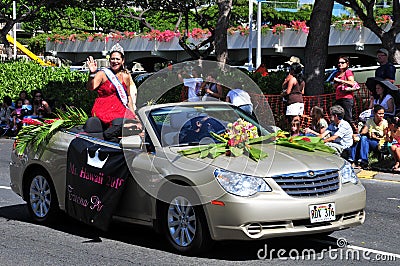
{"x":372,"y":81}
{"x":294,"y":59}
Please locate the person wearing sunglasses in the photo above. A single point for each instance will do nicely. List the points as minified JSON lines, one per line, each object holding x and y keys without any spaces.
{"x":41,"y":108}
{"x":344,"y":79}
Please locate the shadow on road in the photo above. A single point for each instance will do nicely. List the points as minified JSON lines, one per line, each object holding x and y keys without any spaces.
{"x":146,"y":237}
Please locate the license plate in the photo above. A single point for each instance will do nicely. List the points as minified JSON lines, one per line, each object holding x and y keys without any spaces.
{"x":322,"y":212}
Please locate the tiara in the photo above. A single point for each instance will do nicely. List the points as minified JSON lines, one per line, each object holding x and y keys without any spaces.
{"x":117,"y":48}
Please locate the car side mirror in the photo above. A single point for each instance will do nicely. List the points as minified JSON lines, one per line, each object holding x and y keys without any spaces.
{"x":132,"y":142}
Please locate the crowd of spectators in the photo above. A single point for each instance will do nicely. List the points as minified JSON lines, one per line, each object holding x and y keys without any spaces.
{"x":12,"y":113}
{"x":377,"y":125}
{"x":377,"y":128}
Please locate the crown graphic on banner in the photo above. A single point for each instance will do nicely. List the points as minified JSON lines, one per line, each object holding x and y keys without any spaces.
{"x":95,"y":161}
{"x":117,"y":48}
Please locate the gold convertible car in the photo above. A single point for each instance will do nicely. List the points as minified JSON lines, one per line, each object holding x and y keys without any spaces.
{"x":192,"y":198}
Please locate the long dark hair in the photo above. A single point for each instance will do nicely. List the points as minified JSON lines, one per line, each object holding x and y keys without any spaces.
{"x":297,"y":71}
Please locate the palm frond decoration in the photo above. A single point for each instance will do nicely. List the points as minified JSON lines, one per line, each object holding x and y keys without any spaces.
{"x":41,"y":132}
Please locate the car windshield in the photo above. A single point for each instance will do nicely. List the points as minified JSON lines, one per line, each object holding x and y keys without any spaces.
{"x":191,"y":125}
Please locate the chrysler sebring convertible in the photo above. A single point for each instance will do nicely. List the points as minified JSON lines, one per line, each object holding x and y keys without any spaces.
{"x":180,"y":177}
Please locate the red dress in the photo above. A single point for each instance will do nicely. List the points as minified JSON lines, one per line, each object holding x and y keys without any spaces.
{"x":108,"y":106}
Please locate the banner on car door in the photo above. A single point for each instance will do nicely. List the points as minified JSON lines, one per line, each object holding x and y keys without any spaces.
{"x":96,"y":178}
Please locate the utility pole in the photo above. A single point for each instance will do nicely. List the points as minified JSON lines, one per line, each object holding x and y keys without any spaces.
{"x":15,"y":29}
{"x":94,"y":20}
{"x":250,"y":61}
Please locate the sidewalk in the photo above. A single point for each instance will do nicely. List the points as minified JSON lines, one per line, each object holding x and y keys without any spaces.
{"x":367,"y":174}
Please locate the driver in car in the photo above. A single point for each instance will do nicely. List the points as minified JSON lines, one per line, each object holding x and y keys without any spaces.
{"x":200,"y":127}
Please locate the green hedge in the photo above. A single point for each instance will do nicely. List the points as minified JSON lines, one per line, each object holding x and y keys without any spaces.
{"x":59,"y":85}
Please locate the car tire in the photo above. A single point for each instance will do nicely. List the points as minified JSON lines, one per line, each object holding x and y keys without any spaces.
{"x":41,"y":198}
{"x":184,"y":225}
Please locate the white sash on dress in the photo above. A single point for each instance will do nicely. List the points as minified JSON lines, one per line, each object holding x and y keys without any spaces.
{"x":122,"y":95}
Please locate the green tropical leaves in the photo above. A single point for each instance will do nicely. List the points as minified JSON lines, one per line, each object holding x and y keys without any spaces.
{"x":214,"y":150}
{"x":35,"y":135}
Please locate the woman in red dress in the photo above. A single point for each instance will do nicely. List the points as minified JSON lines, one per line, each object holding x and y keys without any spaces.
{"x":108,"y":105}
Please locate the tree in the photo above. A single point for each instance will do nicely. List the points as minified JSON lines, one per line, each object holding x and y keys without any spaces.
{"x":221,"y":43}
{"x":365,"y":10}
{"x":316,"y":50}
{"x":25,"y":11}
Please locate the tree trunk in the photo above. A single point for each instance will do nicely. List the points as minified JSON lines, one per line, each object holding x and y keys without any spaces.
{"x":316,"y":50}
{"x":221,"y":43}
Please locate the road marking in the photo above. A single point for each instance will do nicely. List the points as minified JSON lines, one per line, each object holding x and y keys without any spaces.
{"x":393,"y":198}
{"x":3,"y":187}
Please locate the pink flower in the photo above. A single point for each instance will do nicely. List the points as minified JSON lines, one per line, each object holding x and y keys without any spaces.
{"x":31,"y":121}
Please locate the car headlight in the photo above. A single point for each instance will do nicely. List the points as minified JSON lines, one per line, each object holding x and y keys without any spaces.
{"x":239,"y":184}
{"x":347,"y":174}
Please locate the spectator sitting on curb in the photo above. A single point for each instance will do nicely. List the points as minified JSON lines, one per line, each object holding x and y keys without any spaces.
{"x":372,"y":137}
{"x":341,"y":133}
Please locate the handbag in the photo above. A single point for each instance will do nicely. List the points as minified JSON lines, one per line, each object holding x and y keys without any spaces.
{"x":355,"y":87}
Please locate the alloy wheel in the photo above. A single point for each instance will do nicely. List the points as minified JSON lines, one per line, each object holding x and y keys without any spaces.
{"x":40,"y":196}
{"x":181,"y":221}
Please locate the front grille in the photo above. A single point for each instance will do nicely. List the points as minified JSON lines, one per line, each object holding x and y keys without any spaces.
{"x":308,"y":184}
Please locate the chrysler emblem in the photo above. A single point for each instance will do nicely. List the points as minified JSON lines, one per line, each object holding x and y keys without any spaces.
{"x":311,"y":173}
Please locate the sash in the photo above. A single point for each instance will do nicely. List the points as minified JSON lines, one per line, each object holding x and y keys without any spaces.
{"x":120,"y":89}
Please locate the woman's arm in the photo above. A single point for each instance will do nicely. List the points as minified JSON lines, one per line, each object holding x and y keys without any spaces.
{"x":288,"y":77}
{"x":390,"y":104}
{"x":95,"y":79}
{"x":302,"y":86}
{"x":371,"y":102}
{"x":291,"y":82}
{"x":132,"y":94}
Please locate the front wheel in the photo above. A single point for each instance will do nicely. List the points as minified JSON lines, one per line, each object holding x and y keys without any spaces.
{"x":184,"y":225}
{"x":41,"y":198}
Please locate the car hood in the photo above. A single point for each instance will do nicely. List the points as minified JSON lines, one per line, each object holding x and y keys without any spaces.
{"x":280,"y":160}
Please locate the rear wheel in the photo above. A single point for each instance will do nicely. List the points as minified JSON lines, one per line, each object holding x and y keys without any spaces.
{"x":41,"y":198}
{"x":184,"y":225}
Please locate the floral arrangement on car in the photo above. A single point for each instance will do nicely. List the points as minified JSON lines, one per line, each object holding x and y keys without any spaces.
{"x":235,"y":141}
{"x":35,"y":132}
{"x":239,"y":138}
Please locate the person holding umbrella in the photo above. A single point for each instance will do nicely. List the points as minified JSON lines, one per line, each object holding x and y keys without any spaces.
{"x":383,"y":93}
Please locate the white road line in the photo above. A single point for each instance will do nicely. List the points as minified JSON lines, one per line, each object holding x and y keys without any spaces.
{"x":374,"y":251}
{"x":393,"y":198}
{"x":3,"y":187}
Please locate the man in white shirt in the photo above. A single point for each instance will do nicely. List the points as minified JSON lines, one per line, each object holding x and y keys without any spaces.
{"x":341,"y":133}
{"x":193,"y":84}
{"x":240,"y":98}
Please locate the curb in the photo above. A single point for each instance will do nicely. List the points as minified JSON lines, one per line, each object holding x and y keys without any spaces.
{"x":368,"y":174}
